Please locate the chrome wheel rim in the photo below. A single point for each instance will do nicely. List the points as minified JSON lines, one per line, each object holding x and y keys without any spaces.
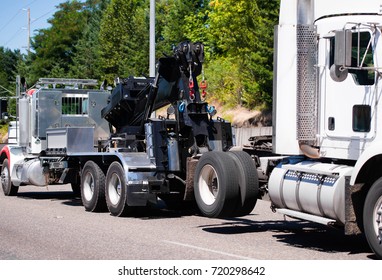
{"x":5,"y":177}
{"x":208,"y":184}
{"x":377,"y":220}
{"x":88,"y":186}
{"x":115,"y":189}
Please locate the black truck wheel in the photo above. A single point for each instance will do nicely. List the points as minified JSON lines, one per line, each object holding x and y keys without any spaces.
{"x":93,"y":187}
{"x":216,"y":185}
{"x":372,"y":218}
{"x":8,"y":188}
{"x":248,"y":182}
{"x":116,"y":192}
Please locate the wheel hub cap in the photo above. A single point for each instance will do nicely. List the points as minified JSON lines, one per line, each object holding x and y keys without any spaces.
{"x":115,"y":189}
{"x":89,"y":186}
{"x":4,"y":178}
{"x":208,"y":184}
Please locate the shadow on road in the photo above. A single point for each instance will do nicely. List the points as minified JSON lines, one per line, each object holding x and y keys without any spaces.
{"x":67,"y":197}
{"x":299,"y":234}
{"x":159,"y":211}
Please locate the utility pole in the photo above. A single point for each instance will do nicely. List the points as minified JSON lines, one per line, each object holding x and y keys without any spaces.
{"x":152,"y":38}
{"x":28,"y":47}
{"x":29,"y":30}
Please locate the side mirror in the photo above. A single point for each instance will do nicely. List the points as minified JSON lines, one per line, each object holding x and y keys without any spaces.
{"x":343,"y":48}
{"x":342,"y":55}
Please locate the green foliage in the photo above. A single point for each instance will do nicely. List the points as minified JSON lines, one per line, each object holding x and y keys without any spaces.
{"x":225,"y":86}
{"x":174,"y":22}
{"x":105,"y":39}
{"x":86,"y":60}
{"x":55,"y":46}
{"x":124,"y":39}
{"x":8,"y":62}
{"x":247,"y":40}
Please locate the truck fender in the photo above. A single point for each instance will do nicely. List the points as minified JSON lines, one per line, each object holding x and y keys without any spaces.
{"x":131,"y":162}
{"x":372,"y":152}
{"x":4,"y":153}
{"x":14,"y":154}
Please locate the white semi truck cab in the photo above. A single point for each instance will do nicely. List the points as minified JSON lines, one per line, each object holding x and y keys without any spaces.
{"x":327,"y":90}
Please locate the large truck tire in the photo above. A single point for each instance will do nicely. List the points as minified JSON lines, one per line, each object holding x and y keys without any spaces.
{"x":216,"y":185}
{"x":93,"y":187}
{"x":372,"y":218}
{"x":248,"y":182}
{"x":8,"y":188}
{"x":116,"y":192}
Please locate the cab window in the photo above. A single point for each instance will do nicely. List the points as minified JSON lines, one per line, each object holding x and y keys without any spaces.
{"x":361,"y":49}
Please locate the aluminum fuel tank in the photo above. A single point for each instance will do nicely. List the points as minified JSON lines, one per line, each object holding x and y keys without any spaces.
{"x":310,"y":187}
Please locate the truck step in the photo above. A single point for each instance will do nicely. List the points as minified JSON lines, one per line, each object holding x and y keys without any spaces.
{"x":307,"y":217}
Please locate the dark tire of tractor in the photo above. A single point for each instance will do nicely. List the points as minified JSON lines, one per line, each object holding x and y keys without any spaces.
{"x":8,"y":188}
{"x":93,"y":200}
{"x":223,"y":167}
{"x":372,"y":218}
{"x":117,"y":207}
{"x":248,"y":182}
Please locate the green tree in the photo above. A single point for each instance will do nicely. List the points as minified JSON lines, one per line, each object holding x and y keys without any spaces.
{"x":238,"y":36}
{"x":8,"y":70}
{"x":176,"y":21}
{"x":233,"y":29}
{"x":110,"y":38}
{"x":226,"y":88}
{"x":86,"y":59}
{"x":124,"y":39}
{"x":55,"y":46}
{"x":8,"y":62}
{"x":260,"y":67}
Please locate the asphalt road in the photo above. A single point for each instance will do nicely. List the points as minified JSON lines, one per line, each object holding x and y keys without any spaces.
{"x":53,"y":225}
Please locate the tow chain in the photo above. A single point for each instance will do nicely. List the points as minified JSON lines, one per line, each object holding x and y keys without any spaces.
{"x":191,"y":85}
{"x":203,"y":86}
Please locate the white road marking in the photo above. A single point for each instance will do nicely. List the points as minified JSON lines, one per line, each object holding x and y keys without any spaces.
{"x":208,"y":250}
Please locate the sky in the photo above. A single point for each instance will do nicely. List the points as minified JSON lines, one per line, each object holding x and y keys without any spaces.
{"x":14,"y":20}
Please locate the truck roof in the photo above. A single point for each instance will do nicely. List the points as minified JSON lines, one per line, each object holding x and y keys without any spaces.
{"x":308,"y":11}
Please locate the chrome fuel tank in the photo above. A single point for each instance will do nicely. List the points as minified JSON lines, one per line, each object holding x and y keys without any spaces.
{"x":310,"y":187}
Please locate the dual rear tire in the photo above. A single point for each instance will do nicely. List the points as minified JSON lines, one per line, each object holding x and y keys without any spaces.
{"x":116,"y":191}
{"x":100,"y":192}
{"x":225,"y":184}
{"x":93,"y":187}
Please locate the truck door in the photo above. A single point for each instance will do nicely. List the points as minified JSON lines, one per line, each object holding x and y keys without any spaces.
{"x":350,"y":105}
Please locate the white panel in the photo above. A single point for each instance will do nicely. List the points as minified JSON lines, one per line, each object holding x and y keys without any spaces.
{"x":285,"y":92}
{"x":332,"y":7}
{"x":288,"y":12}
